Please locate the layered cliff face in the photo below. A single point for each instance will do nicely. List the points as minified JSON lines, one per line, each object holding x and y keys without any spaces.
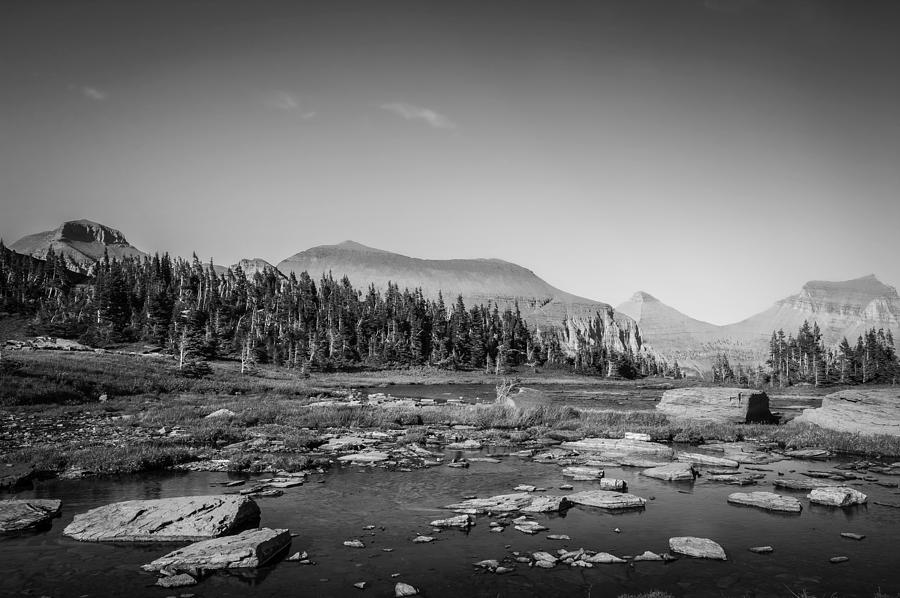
{"x":81,"y":243}
{"x":574,"y":319}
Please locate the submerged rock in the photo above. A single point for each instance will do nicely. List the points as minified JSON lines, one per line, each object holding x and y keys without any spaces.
{"x":606,"y":499}
{"x":648,"y":556}
{"x":674,"y":472}
{"x":251,"y":548}
{"x":761,"y":549}
{"x":837,"y":496}
{"x":766,"y":500}
{"x":852,"y":536}
{"x":180,"y":580}
{"x":19,"y":515}
{"x":701,"y":548}
{"x":722,"y":405}
{"x":460,"y":521}
{"x":601,"y":558}
{"x":180,"y":519}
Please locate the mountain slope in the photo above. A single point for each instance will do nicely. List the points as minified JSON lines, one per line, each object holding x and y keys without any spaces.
{"x":254,"y":265}
{"x":477,"y":280}
{"x":80,"y":242}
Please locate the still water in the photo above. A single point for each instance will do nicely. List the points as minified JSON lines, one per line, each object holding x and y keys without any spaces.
{"x":401,"y":504}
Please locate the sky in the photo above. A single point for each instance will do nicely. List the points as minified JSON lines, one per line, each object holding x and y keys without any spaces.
{"x":714,"y":153}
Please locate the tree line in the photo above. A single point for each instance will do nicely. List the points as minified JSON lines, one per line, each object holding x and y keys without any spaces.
{"x":197,"y":314}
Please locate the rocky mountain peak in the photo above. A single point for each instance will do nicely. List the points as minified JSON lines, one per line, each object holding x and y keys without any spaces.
{"x":87,"y":231}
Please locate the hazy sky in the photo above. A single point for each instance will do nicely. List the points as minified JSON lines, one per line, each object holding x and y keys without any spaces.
{"x":715,"y":153}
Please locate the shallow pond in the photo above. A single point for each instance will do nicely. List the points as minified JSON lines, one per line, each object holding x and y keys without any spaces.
{"x":336,"y":506}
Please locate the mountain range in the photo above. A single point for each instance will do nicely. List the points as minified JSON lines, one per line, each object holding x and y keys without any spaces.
{"x":841,"y":309}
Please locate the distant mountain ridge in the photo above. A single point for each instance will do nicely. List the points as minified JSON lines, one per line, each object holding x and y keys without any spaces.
{"x":841,"y":309}
{"x":81,"y":243}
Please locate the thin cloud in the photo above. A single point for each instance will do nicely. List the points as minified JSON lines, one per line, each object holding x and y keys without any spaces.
{"x":92,"y":93}
{"x":430,"y":117}
{"x":288,"y":102}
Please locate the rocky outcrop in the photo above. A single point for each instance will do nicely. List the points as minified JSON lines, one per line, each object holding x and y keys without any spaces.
{"x":862,"y":411}
{"x":620,"y":447}
{"x":251,"y":548}
{"x":178,"y":519}
{"x":701,"y":548}
{"x":766,"y":500}
{"x":837,"y":496}
{"x":721,"y":405}
{"x":701,"y":459}
{"x":606,"y":499}
{"x":80,"y":243}
{"x":673,"y":472}
{"x":20,"y":515}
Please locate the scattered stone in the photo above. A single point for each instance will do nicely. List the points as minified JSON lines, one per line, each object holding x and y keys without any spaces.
{"x":839,"y":559}
{"x":812,"y":453}
{"x":508,"y":503}
{"x":460,"y":521}
{"x":404,"y":589}
{"x":606,"y":499}
{"x":501,"y":570}
{"x":852,"y":536}
{"x":583,"y":473}
{"x":20,"y":515}
{"x":423,"y":539}
{"x":637,"y":436}
{"x":702,"y":548}
{"x":734,"y":480}
{"x":674,"y":472}
{"x":354,"y":544}
{"x":360,"y":585}
{"x":648,"y":556}
{"x":530,"y":527}
{"x":558,"y":537}
{"x":566,"y":487}
{"x":178,"y":519}
{"x":525,"y":488}
{"x":251,"y":548}
{"x":613,"y":484}
{"x":602,"y":558}
{"x":761,"y":549}
{"x":180,"y":580}
{"x":766,"y":500}
{"x":298,"y":556}
{"x":837,"y":496}
{"x":487,"y":564}
{"x":221,"y":413}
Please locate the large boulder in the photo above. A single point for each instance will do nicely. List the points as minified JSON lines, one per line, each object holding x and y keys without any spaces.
{"x":607,"y":499}
{"x":766,"y":500}
{"x":180,"y":519}
{"x":721,"y":405}
{"x":620,"y":447}
{"x":701,"y":548}
{"x":19,"y":515}
{"x":865,"y":411}
{"x":251,"y":548}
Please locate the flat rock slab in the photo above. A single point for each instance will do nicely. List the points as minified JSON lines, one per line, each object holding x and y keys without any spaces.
{"x":721,"y":405}
{"x":861,"y":411}
{"x":251,"y":548}
{"x":180,"y":519}
{"x":792,"y":484}
{"x":613,"y":484}
{"x":837,"y":496}
{"x":701,"y":548}
{"x":701,"y":459}
{"x":673,"y":472}
{"x":460,"y":521}
{"x":20,"y":515}
{"x":620,"y":446}
{"x":607,"y":499}
{"x":510,"y":503}
{"x":583,"y":472}
{"x":368,"y":457}
{"x":766,"y":500}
